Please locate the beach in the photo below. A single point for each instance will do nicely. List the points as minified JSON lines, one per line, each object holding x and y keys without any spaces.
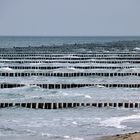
{"x":127,"y":136}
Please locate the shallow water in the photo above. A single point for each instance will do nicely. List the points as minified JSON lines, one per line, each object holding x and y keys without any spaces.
{"x":76,"y":124}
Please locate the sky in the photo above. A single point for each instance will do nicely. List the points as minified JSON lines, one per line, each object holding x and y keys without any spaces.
{"x":70,"y":17}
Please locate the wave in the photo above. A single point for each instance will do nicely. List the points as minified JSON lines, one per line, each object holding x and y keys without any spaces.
{"x":100,"y":86}
{"x":68,"y":70}
{"x":116,"y":121}
{"x":130,"y":70}
{"x":60,"y":137}
{"x":137,"y":49}
{"x":5,"y":69}
{"x":87,"y":96}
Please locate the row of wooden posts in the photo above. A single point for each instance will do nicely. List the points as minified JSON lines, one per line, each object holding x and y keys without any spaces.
{"x":71,"y":105}
{"x":22,"y":54}
{"x":70,"y":58}
{"x":77,"y":74}
{"x":68,"y":86}
{"x":66,"y":67}
{"x":72,"y":61}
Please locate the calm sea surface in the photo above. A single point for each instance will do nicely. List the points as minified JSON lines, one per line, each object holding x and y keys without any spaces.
{"x":83,"y":123}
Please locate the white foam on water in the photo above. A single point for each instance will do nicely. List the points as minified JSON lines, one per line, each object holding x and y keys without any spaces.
{"x":137,"y":49}
{"x":72,"y":138}
{"x":82,"y":121}
{"x":62,"y":137}
{"x":74,"y":122}
{"x":65,"y":94}
{"x":87,"y":96}
{"x":46,"y":134}
{"x":135,"y":69}
{"x":29,"y":132}
{"x":67,"y":137}
{"x":116,"y":121}
{"x":68,"y":94}
{"x":34,"y":86}
{"x":71,"y":68}
{"x":5,"y":69}
{"x":100,"y":86}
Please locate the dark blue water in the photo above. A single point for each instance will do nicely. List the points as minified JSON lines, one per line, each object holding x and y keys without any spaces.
{"x":38,"y":41}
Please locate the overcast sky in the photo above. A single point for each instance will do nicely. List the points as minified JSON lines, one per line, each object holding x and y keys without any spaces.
{"x":70,"y":17}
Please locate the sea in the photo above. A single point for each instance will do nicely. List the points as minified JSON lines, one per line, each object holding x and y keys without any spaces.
{"x":80,"y":123}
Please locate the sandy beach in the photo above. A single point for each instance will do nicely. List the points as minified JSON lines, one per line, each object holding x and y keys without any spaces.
{"x":128,"y":136}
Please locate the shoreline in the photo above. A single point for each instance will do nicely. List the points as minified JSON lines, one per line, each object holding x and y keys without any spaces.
{"x":126,"y":136}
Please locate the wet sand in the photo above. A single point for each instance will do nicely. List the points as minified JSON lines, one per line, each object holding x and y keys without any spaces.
{"x":128,"y":136}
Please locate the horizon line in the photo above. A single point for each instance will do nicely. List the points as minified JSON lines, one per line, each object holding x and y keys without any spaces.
{"x":69,"y":35}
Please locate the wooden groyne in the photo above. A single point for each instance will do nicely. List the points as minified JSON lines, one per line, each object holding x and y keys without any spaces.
{"x":8,"y":85}
{"x":66,"y":67}
{"x":71,"y":105}
{"x":69,"y":86}
{"x":77,"y":74}
{"x":55,"y":54}
{"x":70,"y":58}
{"x":71,"y":61}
